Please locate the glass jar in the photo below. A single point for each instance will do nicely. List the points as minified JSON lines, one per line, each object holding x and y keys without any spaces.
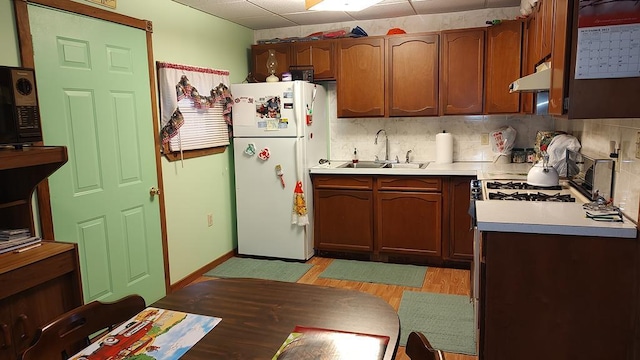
{"x":518,"y":155}
{"x":531,"y":155}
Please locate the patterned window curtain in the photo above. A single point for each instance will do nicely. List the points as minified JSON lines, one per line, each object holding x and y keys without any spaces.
{"x":195,"y":106}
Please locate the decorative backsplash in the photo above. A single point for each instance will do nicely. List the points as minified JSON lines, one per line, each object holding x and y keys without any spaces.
{"x":595,"y":137}
{"x":418,"y":134}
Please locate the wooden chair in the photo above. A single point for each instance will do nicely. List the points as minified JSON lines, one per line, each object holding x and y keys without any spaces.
{"x":69,"y":333}
{"x":419,"y":348}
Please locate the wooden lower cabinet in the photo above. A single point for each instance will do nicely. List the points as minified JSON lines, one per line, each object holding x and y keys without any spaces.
{"x":409,"y":223}
{"x":387,"y":217}
{"x":343,"y":213}
{"x":573,"y":297}
{"x":459,"y":242}
{"x":36,"y":286}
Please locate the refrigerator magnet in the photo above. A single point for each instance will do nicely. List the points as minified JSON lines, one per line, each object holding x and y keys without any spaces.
{"x":251,"y":149}
{"x":264,"y":154}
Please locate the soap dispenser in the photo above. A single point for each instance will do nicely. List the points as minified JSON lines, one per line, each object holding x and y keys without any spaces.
{"x":354,"y":159}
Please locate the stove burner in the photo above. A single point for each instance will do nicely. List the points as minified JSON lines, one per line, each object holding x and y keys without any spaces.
{"x":531,"y":197}
{"x":519,"y":186}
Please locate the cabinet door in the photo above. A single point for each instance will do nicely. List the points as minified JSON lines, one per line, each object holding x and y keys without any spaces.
{"x":409,"y":223}
{"x":462,"y":72}
{"x":545,"y":13}
{"x":320,"y":54}
{"x":360,"y":79}
{"x":259,"y":55}
{"x":412,"y":75}
{"x":504,"y":42}
{"x":7,"y":351}
{"x":460,"y":226}
{"x":343,"y":220}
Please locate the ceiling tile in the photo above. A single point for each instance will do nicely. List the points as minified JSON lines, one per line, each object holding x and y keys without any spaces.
{"x":264,"y":22}
{"x":229,"y":10}
{"x":443,"y":6}
{"x":502,"y":3}
{"x":318,"y":17}
{"x":384,"y":10}
{"x":281,"y":6}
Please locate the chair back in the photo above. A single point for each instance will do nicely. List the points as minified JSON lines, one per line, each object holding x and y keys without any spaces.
{"x":70,"y":332}
{"x":419,"y":348}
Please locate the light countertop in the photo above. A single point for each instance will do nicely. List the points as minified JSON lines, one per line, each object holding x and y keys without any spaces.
{"x":507,"y":216}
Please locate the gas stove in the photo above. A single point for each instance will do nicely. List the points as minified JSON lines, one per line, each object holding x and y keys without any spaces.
{"x":521,"y":191}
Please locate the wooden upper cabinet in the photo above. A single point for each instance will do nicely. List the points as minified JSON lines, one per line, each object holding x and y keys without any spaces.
{"x":360,"y":79}
{"x":259,"y":55}
{"x":528,"y":62}
{"x":560,"y":64}
{"x":503,"y":64}
{"x":462,"y":71}
{"x":545,"y":32}
{"x":412,"y":75}
{"x":320,"y":54}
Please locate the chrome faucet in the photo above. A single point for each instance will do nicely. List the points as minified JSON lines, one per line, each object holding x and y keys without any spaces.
{"x":407,"y":157}
{"x":386,"y":143}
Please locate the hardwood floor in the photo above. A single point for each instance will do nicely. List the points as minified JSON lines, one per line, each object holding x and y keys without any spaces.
{"x":440,"y":280}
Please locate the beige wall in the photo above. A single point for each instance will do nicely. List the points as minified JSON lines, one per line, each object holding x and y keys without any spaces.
{"x":197,"y":187}
{"x":595,"y":136}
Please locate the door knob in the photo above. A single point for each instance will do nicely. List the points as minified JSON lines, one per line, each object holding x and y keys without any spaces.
{"x":154,"y":191}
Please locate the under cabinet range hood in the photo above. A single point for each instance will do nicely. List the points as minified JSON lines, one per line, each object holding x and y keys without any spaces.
{"x":538,"y":81}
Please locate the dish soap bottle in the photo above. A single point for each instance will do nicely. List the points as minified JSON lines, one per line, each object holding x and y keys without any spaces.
{"x":354,"y":159}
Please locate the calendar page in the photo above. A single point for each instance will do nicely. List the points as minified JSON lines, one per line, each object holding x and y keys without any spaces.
{"x":608,"y":39}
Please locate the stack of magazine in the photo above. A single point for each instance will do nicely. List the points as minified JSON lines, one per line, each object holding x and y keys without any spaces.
{"x":16,"y":239}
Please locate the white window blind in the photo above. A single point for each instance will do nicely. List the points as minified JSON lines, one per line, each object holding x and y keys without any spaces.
{"x":195,"y":106}
{"x":202,"y":128}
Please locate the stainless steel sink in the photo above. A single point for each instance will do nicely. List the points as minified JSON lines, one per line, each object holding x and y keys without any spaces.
{"x":406,"y":165}
{"x":382,"y":165}
{"x":363,"y":165}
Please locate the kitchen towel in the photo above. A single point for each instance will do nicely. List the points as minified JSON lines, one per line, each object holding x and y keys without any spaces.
{"x":444,"y":148}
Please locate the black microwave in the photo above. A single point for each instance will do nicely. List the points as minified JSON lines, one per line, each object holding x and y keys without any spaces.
{"x":19,"y":112}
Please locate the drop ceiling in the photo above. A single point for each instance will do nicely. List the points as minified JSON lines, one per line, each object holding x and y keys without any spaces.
{"x":271,"y":14}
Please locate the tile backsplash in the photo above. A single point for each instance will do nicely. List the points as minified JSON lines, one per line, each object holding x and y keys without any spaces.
{"x":596,"y":136}
{"x":418,"y":134}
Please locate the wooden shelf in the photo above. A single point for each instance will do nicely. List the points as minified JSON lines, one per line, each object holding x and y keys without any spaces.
{"x":11,"y":158}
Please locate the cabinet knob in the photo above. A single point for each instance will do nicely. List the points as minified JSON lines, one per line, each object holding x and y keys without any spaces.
{"x":154,"y":191}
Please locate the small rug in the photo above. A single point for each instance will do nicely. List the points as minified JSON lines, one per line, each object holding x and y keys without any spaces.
{"x":446,"y":320}
{"x":375,"y":272}
{"x":260,"y":269}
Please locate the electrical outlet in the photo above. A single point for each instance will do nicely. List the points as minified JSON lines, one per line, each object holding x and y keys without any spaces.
{"x":210,"y":220}
{"x":638,"y":145}
{"x":484,"y":139}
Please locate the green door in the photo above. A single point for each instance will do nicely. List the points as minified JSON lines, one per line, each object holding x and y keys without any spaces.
{"x":93,"y":86}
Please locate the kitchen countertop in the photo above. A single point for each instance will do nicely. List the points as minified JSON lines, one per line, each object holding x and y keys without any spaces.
{"x":507,"y":216}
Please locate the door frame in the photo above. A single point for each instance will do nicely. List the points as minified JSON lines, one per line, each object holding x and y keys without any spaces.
{"x":27,"y":59}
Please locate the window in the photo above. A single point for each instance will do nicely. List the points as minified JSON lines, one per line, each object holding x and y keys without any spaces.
{"x":195,"y":106}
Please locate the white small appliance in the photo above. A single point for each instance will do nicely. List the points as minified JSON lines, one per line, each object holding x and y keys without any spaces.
{"x":280,"y":129}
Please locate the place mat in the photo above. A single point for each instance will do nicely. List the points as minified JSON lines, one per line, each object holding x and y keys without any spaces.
{"x":260,"y":269}
{"x":375,"y":272}
{"x":446,"y":320}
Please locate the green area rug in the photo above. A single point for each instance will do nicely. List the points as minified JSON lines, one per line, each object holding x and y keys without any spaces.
{"x":446,"y":320}
{"x":260,"y":269}
{"x":374,"y":272}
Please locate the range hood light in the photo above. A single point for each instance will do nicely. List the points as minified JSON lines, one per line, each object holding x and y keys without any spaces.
{"x":538,"y":81}
{"x":339,"y":5}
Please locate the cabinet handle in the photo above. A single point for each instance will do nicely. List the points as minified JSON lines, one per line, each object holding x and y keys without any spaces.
{"x":6,"y":334}
{"x":25,"y":326}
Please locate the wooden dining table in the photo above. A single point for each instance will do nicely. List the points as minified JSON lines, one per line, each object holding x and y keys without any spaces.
{"x":258,"y":315}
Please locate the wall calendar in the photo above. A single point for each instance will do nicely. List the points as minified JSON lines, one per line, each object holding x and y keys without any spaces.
{"x":608,"y":39}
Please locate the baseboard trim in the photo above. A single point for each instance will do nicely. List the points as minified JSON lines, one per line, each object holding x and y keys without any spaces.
{"x":198,"y":273}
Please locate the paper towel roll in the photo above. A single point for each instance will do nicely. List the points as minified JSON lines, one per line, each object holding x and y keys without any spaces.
{"x":444,"y":148}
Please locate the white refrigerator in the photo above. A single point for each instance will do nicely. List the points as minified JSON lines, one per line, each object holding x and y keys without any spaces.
{"x":279,"y":131}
